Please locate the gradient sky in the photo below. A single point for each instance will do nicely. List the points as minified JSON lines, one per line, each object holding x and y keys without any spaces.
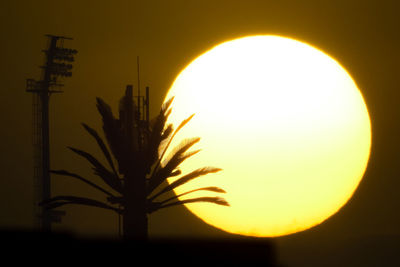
{"x":363,"y":36}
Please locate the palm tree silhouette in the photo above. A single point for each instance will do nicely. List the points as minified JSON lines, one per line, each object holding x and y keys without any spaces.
{"x":139,"y":151}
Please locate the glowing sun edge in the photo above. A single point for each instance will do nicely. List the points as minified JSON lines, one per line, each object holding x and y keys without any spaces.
{"x":259,"y":107}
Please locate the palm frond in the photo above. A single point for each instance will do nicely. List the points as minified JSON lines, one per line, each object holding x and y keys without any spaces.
{"x":168,"y":171}
{"x":183,"y":123}
{"x":76,"y":176}
{"x":102,"y":146}
{"x":113,"y":134}
{"x":116,"y":200}
{"x":57,"y":204}
{"x":178,"y":156}
{"x":210,"y":188}
{"x":158,"y":134}
{"x":167,"y":104}
{"x":186,"y":178}
{"x":58,"y":201}
{"x":180,"y":149}
{"x":108,"y":177}
{"x":216,"y":200}
{"x":176,"y":173}
{"x":167,"y":132}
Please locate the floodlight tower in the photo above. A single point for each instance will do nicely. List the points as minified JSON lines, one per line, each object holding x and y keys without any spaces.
{"x":57,"y":65}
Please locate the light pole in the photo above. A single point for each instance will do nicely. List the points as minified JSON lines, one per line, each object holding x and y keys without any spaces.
{"x":58,"y":64}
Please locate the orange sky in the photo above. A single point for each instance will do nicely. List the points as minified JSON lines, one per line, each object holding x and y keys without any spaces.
{"x":167,"y":35}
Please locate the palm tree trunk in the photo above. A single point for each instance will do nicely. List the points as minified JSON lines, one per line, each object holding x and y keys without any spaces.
{"x":135,"y":214}
{"x":135,"y":225}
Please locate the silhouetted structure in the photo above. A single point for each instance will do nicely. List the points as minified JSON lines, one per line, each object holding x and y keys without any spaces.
{"x":138,"y":146}
{"x":162,"y":252}
{"x":56,"y":56}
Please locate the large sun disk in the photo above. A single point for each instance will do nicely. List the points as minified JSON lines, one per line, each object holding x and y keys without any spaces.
{"x":285,"y":122}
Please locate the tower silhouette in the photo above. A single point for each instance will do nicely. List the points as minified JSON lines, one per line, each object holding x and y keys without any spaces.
{"x":58,"y":64}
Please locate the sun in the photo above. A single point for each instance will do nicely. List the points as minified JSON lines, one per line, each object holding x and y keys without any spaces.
{"x":285,"y":122}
